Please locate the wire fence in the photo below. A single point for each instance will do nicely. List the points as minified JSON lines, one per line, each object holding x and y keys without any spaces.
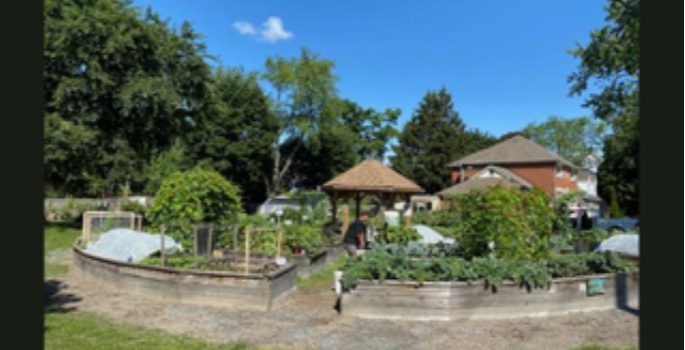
{"x":224,"y":247}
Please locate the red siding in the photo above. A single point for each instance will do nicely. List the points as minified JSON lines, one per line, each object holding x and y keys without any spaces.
{"x":542,"y":176}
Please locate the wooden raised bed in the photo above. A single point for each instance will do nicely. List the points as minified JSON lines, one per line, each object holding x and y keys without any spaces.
{"x":460,"y":301}
{"x":253,"y":291}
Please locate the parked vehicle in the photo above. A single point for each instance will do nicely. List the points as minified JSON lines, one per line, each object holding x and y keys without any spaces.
{"x":618,"y":225}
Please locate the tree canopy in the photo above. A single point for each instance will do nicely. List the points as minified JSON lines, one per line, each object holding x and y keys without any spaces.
{"x":120,"y":85}
{"x":612,"y":61}
{"x":574,"y":139}
{"x":433,"y":138}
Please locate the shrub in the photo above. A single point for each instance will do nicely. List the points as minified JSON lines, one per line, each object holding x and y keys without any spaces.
{"x":192,"y":197}
{"x":520,"y":223}
{"x":301,"y":237}
{"x":593,"y":237}
{"x":134,"y":207}
{"x":315,"y":204}
{"x":290,"y":214}
{"x":446,"y":218}
{"x":402,"y":235}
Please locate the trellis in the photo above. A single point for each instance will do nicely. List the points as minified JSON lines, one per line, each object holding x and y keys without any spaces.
{"x":105,"y":219}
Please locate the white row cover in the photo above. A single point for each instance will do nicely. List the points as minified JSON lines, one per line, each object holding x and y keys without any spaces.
{"x":131,"y":246}
{"x":628,"y":245}
{"x":430,"y":236}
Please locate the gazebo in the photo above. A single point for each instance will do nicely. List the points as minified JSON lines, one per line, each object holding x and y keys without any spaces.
{"x":371,"y":177}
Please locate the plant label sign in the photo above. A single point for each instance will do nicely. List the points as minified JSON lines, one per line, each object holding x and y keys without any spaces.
{"x":596,"y":287}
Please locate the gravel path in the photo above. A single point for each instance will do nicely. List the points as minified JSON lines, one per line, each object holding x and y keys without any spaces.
{"x":308,"y":320}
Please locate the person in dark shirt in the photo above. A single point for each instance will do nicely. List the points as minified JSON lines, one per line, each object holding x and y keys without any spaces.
{"x":355,"y":236}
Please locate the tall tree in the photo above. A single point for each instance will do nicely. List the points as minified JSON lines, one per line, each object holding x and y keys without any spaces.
{"x":574,"y":139}
{"x":433,"y":138}
{"x":306,"y":100}
{"x":374,"y":130}
{"x":314,"y":166}
{"x":120,"y":85}
{"x":612,"y":61}
{"x":235,"y":134}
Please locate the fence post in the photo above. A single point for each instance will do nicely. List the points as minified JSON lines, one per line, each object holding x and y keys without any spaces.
{"x":247,"y":251}
{"x":195,"y":246}
{"x":210,"y":252}
{"x":163,"y":251}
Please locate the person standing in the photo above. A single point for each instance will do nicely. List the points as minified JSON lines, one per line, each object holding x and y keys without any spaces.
{"x":355,"y":237}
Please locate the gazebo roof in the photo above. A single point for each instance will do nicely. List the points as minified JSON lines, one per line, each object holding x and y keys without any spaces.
{"x":372,"y":176}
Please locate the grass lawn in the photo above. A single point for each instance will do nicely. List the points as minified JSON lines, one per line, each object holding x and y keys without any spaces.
{"x":78,"y":331}
{"x":58,"y":237}
{"x":322,"y":280}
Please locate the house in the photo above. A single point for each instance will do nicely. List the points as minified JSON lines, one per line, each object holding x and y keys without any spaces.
{"x":588,"y":183}
{"x":516,"y":162}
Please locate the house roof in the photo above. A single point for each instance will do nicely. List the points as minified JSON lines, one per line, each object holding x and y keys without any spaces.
{"x":479,"y":184}
{"x":506,"y":174}
{"x":517,"y":150}
{"x":373,"y":176}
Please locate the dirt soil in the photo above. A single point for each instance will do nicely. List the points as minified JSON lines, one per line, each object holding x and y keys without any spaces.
{"x":309,"y":321}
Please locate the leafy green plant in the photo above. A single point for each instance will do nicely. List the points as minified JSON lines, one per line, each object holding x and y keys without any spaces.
{"x":195,"y":196}
{"x":302,"y":237}
{"x":401,"y":263}
{"x":593,"y":237}
{"x":133,"y":207}
{"x":290,"y":214}
{"x":520,"y":223}
{"x":402,"y":235}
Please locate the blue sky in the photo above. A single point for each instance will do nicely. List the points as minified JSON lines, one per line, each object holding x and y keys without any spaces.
{"x":505,"y":62}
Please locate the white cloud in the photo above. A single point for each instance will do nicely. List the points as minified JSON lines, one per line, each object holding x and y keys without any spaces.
{"x":272,"y":30}
{"x":245,"y":28}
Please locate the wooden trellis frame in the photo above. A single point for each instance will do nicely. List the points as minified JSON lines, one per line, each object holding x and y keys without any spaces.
{"x":249,"y":231}
{"x":136,"y":221}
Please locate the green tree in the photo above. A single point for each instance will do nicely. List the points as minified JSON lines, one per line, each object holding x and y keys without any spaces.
{"x":193,"y":197}
{"x":120,"y":85}
{"x":374,"y":130}
{"x":614,"y":207}
{"x":612,"y":61}
{"x":574,"y":139}
{"x":433,"y":138}
{"x":306,"y":100}
{"x":165,"y":164}
{"x":314,"y":166}
{"x":235,"y":134}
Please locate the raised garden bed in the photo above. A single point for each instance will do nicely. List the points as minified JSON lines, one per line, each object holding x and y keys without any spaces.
{"x":449,"y":301}
{"x":310,"y":264}
{"x":334,"y":252}
{"x":231,"y":289}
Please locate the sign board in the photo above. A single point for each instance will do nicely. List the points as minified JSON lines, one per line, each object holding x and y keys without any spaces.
{"x":596,"y":287}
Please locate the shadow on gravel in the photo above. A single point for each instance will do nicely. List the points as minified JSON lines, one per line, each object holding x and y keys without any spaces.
{"x":56,"y":301}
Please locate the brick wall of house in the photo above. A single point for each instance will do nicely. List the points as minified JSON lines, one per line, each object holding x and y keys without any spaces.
{"x":566,"y":182}
{"x":543,"y":176}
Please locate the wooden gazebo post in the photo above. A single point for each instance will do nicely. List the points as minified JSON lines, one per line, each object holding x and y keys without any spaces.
{"x":334,"y":207}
